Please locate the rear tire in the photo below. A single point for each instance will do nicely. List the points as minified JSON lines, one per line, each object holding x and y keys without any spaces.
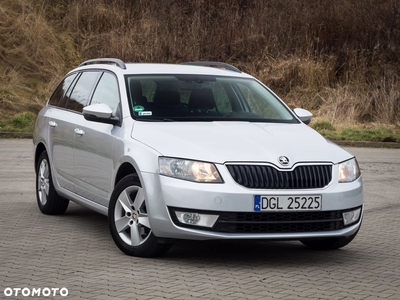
{"x":129,"y":223}
{"x":329,"y":243}
{"x":49,"y":202}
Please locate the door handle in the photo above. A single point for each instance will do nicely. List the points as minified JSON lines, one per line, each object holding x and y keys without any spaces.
{"x":79,"y":131}
{"x":52,"y":124}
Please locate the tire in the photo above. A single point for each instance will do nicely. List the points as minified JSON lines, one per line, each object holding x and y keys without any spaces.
{"x":49,"y":202}
{"x":129,"y":223}
{"x":329,"y":243}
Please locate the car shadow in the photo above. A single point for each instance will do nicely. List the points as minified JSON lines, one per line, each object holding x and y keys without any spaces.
{"x":231,"y":253}
{"x":255,"y":252}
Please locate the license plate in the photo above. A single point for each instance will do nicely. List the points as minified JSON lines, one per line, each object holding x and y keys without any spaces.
{"x":287,"y":203}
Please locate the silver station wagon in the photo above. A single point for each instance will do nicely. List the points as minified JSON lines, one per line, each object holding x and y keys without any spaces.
{"x":198,"y":151}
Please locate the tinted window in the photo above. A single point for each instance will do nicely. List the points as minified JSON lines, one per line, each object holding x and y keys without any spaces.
{"x":81,"y":91}
{"x":107,"y":92}
{"x":64,"y":100}
{"x":204,"y":98}
{"x":61,"y":90}
{"x":267,"y":109}
{"x":221,"y":98}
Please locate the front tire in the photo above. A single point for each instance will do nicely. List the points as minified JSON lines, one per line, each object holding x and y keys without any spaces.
{"x":49,"y":202}
{"x":129,"y":221}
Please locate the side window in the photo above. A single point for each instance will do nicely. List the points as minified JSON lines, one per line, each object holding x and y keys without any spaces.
{"x":61,"y":90}
{"x":107,"y":92}
{"x":64,"y":100}
{"x":81,"y":91}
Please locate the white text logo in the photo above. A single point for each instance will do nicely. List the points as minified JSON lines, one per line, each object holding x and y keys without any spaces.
{"x":32,"y":292}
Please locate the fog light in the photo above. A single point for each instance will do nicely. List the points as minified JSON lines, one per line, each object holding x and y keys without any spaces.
{"x":193,"y":218}
{"x":352,"y":216}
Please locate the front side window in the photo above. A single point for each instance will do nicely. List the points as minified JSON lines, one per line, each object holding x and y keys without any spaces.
{"x":81,"y":92}
{"x":204,"y":98}
{"x":107,"y":92}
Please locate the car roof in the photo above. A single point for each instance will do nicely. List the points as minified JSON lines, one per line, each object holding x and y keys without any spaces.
{"x":162,"y":68}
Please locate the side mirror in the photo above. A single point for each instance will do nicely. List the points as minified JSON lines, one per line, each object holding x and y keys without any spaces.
{"x":101,"y":113}
{"x":304,"y":115}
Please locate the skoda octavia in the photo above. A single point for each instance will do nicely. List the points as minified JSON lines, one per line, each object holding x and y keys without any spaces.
{"x":199,"y":151}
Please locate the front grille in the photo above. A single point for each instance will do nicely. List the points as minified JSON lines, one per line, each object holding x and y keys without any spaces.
{"x":271,"y":222}
{"x":267,"y":177}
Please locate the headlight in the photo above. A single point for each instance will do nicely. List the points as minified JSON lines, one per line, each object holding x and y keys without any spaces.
{"x":188,"y":169}
{"x":348,"y":171}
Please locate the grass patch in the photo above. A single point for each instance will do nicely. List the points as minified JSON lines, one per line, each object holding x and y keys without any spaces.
{"x":373,"y":133}
{"x":323,"y":125}
{"x":22,"y":122}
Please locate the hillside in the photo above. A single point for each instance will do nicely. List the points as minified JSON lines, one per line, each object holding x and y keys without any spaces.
{"x":340,"y":59}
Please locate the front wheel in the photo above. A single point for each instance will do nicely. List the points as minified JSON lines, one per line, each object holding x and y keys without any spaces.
{"x":129,"y":222}
{"x":329,"y":243}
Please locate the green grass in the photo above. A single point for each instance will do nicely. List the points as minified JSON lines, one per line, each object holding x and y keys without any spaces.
{"x":377,"y":133}
{"x":22,"y":122}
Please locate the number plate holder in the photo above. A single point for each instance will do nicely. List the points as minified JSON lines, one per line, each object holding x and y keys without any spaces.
{"x":287,"y":203}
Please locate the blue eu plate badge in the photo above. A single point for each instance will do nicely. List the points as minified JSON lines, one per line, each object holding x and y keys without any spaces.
{"x":257,"y":203}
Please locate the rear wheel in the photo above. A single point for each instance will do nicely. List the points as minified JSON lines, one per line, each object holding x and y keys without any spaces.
{"x":329,"y":243}
{"x":129,"y":221}
{"x":49,"y":202}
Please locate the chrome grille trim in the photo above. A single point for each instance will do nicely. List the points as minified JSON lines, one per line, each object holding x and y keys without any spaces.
{"x":268,"y":177}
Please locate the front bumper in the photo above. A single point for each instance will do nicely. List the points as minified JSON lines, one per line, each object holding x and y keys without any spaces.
{"x":165,"y":194}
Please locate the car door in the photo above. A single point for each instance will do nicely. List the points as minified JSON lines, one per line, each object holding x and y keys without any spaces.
{"x":61,"y":136}
{"x":75,"y":100}
{"x":93,"y":151}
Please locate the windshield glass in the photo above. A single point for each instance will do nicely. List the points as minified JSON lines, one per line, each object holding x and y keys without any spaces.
{"x":203,"y":98}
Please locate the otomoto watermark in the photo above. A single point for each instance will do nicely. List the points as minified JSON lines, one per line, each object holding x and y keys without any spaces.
{"x":36,"y":292}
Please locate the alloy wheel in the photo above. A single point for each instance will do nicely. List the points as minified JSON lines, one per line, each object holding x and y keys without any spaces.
{"x":130,"y":216}
{"x":43,"y":182}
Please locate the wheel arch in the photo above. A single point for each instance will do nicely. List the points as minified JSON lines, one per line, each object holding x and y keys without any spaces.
{"x":39,"y":149}
{"x":125,"y":169}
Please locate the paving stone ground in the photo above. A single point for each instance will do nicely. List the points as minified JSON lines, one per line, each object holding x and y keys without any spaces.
{"x":76,"y":251}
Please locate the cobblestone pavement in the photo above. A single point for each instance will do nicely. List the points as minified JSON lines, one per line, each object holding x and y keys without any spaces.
{"x":76,"y":251}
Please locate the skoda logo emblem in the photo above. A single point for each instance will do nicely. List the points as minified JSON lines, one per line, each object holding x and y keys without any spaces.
{"x":283,"y":160}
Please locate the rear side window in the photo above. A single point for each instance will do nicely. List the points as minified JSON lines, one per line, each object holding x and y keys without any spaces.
{"x":61,"y":90}
{"x":64,"y":100}
{"x":107,"y":92}
{"x":81,"y":92}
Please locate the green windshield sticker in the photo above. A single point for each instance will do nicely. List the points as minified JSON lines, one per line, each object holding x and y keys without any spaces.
{"x":138,"y":108}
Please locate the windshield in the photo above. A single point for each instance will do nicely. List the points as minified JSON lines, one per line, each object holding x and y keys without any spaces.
{"x":203,"y":98}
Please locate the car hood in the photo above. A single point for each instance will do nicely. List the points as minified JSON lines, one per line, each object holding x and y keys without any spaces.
{"x":222,"y":142}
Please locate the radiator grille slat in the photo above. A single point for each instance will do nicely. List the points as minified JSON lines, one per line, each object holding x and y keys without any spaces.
{"x":267,"y":177}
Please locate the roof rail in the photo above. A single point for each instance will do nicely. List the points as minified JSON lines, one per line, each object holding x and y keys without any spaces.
{"x":213,"y":64}
{"x":116,"y":61}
